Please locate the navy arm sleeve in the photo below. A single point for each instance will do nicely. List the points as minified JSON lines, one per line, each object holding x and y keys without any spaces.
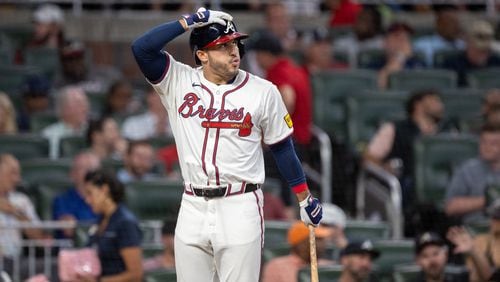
{"x":288,"y":162}
{"x":147,"y":49}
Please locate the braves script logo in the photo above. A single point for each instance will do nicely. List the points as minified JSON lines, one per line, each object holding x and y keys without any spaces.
{"x":191,"y":108}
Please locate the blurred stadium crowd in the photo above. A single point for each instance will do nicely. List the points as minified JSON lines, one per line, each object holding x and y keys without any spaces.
{"x":411,"y":112}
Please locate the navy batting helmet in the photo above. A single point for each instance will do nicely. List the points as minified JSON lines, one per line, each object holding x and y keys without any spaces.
{"x":215,"y":34}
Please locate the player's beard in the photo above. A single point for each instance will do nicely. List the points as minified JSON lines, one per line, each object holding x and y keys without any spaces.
{"x":225,"y":70}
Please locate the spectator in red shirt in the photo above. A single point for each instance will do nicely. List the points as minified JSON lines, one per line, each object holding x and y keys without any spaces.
{"x":291,"y":80}
{"x":343,"y":12}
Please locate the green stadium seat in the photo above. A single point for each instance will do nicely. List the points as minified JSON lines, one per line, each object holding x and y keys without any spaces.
{"x":275,"y":232}
{"x":325,"y":273}
{"x":462,"y":108}
{"x":406,"y":272}
{"x":44,"y":195}
{"x":97,"y":101}
{"x":367,"y":58}
{"x":6,"y":50}
{"x":269,"y":253}
{"x":435,"y":159}
{"x":154,"y":200}
{"x":484,"y":79}
{"x":13,"y":77}
{"x":38,"y":121}
{"x":37,"y":171}
{"x":392,"y":252}
{"x":161,"y":141}
{"x":70,"y":146}
{"x":161,"y":276}
{"x":24,"y":146}
{"x":442,"y":56}
{"x":46,"y":59}
{"x":423,"y":79}
{"x":341,"y":57}
{"x":329,"y":91}
{"x":362,"y":230}
{"x":112,"y":164}
{"x":18,"y":34}
{"x":151,"y":251}
{"x":366,"y":112}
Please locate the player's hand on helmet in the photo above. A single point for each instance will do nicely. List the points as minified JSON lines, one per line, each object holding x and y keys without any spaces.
{"x":311,"y":211}
{"x":204,"y":17}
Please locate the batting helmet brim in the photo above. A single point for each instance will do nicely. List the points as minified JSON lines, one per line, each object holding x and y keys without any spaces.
{"x":225,"y":39}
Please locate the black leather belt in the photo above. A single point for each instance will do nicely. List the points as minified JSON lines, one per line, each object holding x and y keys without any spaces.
{"x":221,"y":191}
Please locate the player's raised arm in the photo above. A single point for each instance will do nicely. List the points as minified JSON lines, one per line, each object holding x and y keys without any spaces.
{"x":289,"y":165}
{"x":147,"y":49}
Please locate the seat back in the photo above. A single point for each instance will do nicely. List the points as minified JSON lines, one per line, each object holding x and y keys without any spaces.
{"x":275,"y":232}
{"x":423,"y":79}
{"x":330,"y":89}
{"x":462,"y":108}
{"x":46,"y":59}
{"x":442,"y":56}
{"x":38,"y":121}
{"x":12,"y":77}
{"x":45,"y":170}
{"x":155,"y":200}
{"x":365,"y":113}
{"x":70,"y":146}
{"x":44,"y":195}
{"x":393,"y":252}
{"x":24,"y":146}
{"x":361,"y":229}
{"x":484,"y":79}
{"x":161,"y":276}
{"x":435,"y":159}
{"x":325,"y":273}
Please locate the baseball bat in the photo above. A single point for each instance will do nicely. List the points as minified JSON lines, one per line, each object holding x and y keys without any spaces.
{"x":312,"y":252}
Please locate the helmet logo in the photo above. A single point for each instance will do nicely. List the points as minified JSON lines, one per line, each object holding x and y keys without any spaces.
{"x":229,"y":27}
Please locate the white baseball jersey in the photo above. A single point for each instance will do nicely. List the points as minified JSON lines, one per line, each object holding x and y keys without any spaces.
{"x":219,"y":128}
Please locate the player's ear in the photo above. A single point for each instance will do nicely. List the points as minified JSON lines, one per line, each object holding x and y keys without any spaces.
{"x":202,"y":56}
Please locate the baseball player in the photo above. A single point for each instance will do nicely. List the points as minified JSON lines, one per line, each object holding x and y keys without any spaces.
{"x":219,"y":116}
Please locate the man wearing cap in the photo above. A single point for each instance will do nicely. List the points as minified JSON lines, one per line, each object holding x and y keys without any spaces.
{"x":334,"y":219}
{"x":357,"y":259}
{"x":286,"y":268}
{"x":477,"y":54}
{"x":432,"y":256}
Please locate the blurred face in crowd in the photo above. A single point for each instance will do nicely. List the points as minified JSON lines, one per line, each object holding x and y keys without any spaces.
{"x":448,"y":25}
{"x":120,"y":98}
{"x":489,"y":146}
{"x":141,"y":159}
{"x":432,"y":107}
{"x":365,"y":26}
{"x":74,"y":68}
{"x":10,"y":173}
{"x":75,"y":108}
{"x":154,"y":103}
{"x":278,"y":20}
{"x":432,"y":259}
{"x":82,"y":164}
{"x":358,"y":266}
{"x":320,"y":54}
{"x":110,"y":133}
{"x":397,"y":42}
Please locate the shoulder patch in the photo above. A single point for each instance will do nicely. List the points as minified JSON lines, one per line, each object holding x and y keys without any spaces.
{"x":288,"y":120}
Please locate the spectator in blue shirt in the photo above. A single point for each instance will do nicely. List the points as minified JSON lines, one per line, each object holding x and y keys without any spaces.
{"x":446,"y":37}
{"x":71,"y":205}
{"x":139,"y":163}
{"x":117,"y":235}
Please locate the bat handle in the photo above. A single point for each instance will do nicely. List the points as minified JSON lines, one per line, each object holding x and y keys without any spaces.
{"x":312,"y":251}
